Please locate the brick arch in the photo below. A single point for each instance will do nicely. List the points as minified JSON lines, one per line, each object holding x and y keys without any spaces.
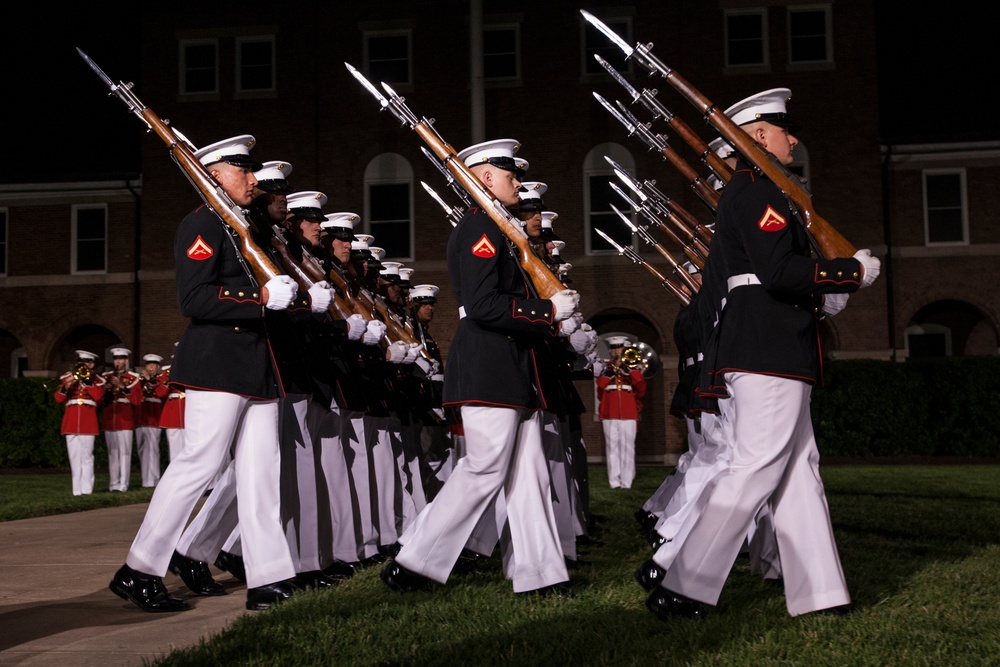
{"x":9,"y":344}
{"x":88,"y":336}
{"x":967,"y":320}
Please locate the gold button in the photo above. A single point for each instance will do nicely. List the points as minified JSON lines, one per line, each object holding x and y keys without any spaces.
{"x":822,"y":274}
{"x":855,"y":274}
{"x":241,"y":294}
{"x":519,"y":310}
{"x":532,"y":312}
{"x":226,"y":293}
{"x":236,"y":328}
{"x":256,"y":296}
{"x":840,"y":273}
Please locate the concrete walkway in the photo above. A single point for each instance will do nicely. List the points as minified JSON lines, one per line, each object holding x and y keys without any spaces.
{"x":55,"y":606}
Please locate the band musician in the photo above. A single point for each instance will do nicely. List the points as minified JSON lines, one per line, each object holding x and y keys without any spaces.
{"x":81,"y":391}
{"x":122,"y":396}
{"x":620,"y":388}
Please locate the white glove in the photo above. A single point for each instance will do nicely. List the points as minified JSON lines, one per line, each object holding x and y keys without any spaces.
{"x":356,"y":327}
{"x":321,"y":296}
{"x":396,"y":352}
{"x":583,"y":339}
{"x":570,"y":325}
{"x":871,"y":266}
{"x":280,"y":292}
{"x":413,"y":353}
{"x":373,"y":334}
{"x":430,"y":367}
{"x":833,"y":303}
{"x":564,"y":303}
{"x":599,"y":367}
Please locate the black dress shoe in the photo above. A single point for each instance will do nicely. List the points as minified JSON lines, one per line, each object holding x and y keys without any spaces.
{"x":667,"y":604}
{"x":468,"y":562}
{"x":649,"y":575}
{"x":195,"y":575}
{"x":269,"y":596}
{"x":399,"y":579}
{"x":560,"y":591}
{"x":339,"y":570}
{"x":647,"y":520}
{"x":314,"y":580}
{"x":375,"y":559}
{"x":389,"y":550}
{"x":232,"y":564}
{"x":655,"y":540}
{"x":146,"y":591}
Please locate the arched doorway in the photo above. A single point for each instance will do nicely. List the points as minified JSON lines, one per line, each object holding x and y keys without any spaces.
{"x":950,"y":328}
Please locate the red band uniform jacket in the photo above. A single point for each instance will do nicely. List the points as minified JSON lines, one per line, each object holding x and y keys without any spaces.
{"x":121,"y":406}
{"x":491,"y":360}
{"x":81,"y":401}
{"x":620,"y":403}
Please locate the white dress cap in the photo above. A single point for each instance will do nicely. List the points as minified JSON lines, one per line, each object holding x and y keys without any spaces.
{"x":307,"y":204}
{"x":557,"y":245}
{"x":499,"y":152}
{"x":720,"y":147}
{"x":362,"y":242}
{"x":341,"y":225}
{"x":153,"y":358}
{"x":235,"y":151}
{"x":378,"y":254}
{"x":273,"y":176}
{"x":617,"y":341}
{"x":85,"y":356}
{"x":769,"y":105}
{"x":120,"y":352}
{"x":532,"y":190}
{"x":405,"y":273}
{"x":427,"y":293}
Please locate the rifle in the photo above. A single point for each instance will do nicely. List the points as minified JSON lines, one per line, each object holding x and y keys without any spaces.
{"x":689,"y":252}
{"x":545,"y":282}
{"x":658,"y":142}
{"x":306,"y":273}
{"x":261,"y":265}
{"x":829,"y":242}
{"x":648,"y":99}
{"x":458,"y":189}
{"x":631,"y":254}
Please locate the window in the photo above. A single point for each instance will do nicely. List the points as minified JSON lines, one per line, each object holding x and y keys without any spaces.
{"x":599,"y":198}
{"x":945,"y":220}
{"x":255,"y":63}
{"x":199,"y":61}
{"x":596,"y":43}
{"x":746,"y":38}
{"x":809,"y":38}
{"x":501,"y":52}
{"x":387,"y":55}
{"x":927,"y":340}
{"x":389,"y":204}
{"x":3,"y":241}
{"x":90,"y":232}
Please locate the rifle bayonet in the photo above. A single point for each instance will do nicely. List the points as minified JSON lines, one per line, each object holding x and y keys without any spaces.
{"x":454,"y":214}
{"x":608,"y":32}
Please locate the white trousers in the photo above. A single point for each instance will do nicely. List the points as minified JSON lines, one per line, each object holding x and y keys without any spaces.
{"x":554,"y":446}
{"x":774,"y":459}
{"x":216,"y":521}
{"x":619,"y":443}
{"x":119,"y":459}
{"x":147,"y":439}
{"x":299,"y":503}
{"x":337,"y":537}
{"x":384,"y":444}
{"x":503,"y":451}
{"x":175,"y":441}
{"x":80,"y":449}
{"x":216,"y":421}
{"x":355,"y":446}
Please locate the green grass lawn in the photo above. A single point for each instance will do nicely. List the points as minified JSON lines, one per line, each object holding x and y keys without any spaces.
{"x":919,"y":545}
{"x":24,"y":495}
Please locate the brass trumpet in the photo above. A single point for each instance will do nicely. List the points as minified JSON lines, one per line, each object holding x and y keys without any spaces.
{"x":632,"y":359}
{"x":83,"y":373}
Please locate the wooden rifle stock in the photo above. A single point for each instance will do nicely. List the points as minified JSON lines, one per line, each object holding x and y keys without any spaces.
{"x":306,"y":273}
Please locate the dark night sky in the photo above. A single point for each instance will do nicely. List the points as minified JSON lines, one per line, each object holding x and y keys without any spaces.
{"x":937,"y":70}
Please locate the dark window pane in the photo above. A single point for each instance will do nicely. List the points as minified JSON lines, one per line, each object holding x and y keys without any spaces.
{"x":944,"y":190}
{"x":594,"y":42}
{"x":746,"y":39}
{"x":808,"y":36}
{"x":199,"y":68}
{"x":390,"y":217}
{"x":927,"y":345}
{"x":603,"y":217}
{"x":90,"y":239}
{"x":389,"y":58}
{"x":90,"y":255}
{"x":257,"y":70}
{"x":500,"y":53}
{"x":944,"y":208}
{"x":394,"y":237}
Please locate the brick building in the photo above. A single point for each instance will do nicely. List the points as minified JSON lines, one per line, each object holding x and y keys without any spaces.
{"x":277,"y":71}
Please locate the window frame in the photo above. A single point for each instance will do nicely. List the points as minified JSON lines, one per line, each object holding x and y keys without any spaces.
{"x":828,"y":35}
{"x":75,"y":239}
{"x":249,"y":39}
{"x":390,"y":169}
{"x":182,"y":46}
{"x":408,"y":33}
{"x":595,"y":165}
{"x":765,"y":37}
{"x":497,"y":27}
{"x":964,"y":196}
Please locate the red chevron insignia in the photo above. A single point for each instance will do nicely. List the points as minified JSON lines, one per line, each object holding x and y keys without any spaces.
{"x":771,"y":221}
{"x":200,"y":250}
{"x":484,"y":248}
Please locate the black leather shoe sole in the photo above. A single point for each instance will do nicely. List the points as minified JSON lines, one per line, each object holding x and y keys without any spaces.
{"x":147,"y":593}
{"x":267,"y":597}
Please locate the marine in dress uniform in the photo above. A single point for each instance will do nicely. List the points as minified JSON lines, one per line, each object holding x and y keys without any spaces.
{"x":81,"y":391}
{"x":620,"y":390}
{"x":491,"y":378}
{"x":148,"y":429}
{"x":763,"y":354}
{"x":232,"y":387}
{"x":122,"y":397}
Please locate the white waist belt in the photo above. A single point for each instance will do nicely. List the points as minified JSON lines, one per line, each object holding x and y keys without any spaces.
{"x":624,"y":387}
{"x":437,"y":378}
{"x":178,"y":395}
{"x":461,"y":312}
{"x":742,"y":280}
{"x":122,"y":400}
{"x":82,"y":401}
{"x":151,"y":399}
